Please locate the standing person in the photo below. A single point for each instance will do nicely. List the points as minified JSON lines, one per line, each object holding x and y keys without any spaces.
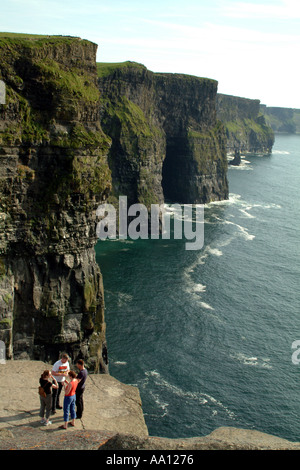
{"x":82,"y":376}
{"x":45,"y":402}
{"x":59,"y":371}
{"x":70,"y":399}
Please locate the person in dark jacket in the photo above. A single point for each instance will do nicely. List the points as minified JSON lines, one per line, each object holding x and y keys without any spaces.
{"x":48,"y":382}
{"x":82,"y":376}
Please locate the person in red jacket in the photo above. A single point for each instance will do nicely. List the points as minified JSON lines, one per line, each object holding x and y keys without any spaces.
{"x":70,"y":399}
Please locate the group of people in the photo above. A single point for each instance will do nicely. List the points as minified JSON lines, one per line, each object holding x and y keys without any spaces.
{"x":61,"y":377}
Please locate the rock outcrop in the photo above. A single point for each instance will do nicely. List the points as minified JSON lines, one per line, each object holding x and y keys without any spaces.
{"x":109,"y":405}
{"x":167,"y":144}
{"x":53,"y":174}
{"x":246,"y":127}
{"x":225,"y":438}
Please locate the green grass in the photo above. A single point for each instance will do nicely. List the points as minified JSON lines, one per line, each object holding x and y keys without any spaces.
{"x":106,"y":68}
{"x":128,"y":118}
{"x":72,"y":83}
{"x":15,"y":40}
{"x":37,"y":37}
{"x":22,"y":35}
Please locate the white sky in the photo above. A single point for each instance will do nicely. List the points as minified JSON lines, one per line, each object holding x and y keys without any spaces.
{"x":250,"y":47}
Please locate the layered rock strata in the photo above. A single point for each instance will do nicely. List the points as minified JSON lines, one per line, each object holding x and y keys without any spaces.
{"x":53,"y":174}
{"x":167,"y":144}
{"x":162,"y":142}
{"x":246,"y":127}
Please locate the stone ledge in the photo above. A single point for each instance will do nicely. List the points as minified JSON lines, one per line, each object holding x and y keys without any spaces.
{"x":225,"y":438}
{"x":112,"y":420}
{"x":110,"y":406}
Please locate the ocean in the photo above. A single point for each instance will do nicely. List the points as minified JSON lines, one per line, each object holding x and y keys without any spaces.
{"x":207,"y":335}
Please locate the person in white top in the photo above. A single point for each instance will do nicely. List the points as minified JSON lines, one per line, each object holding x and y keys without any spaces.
{"x":60,"y":371}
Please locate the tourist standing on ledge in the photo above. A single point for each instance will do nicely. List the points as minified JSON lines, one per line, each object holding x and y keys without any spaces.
{"x":45,"y":401}
{"x":70,"y":399}
{"x":80,"y":387}
{"x":59,"y":371}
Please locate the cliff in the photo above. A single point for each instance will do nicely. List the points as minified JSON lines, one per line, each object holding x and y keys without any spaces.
{"x":53,"y":174}
{"x":246,"y":128}
{"x":162,"y":141}
{"x":56,"y":166}
{"x":167,"y":144}
{"x":282,"y":120}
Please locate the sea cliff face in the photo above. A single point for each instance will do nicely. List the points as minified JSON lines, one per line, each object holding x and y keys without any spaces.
{"x":282,"y":120}
{"x":167,"y":144}
{"x":246,"y":128}
{"x":53,"y":174}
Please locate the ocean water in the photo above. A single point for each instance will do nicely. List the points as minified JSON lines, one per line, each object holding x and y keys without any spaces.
{"x":207,"y":335}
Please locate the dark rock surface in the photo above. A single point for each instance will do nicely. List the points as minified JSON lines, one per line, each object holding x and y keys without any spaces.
{"x":56,"y":167}
{"x":167,"y":143}
{"x":220,"y":439}
{"x":246,"y":127}
{"x":53,"y":174}
{"x":236,"y":159}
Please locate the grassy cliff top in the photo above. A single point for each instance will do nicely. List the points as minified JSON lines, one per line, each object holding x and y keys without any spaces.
{"x":30,"y":36}
{"x":36,"y":39}
{"x":106,"y":68}
{"x":47,"y":78}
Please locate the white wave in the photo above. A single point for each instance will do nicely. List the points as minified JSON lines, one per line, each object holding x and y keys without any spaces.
{"x":214,"y":251}
{"x":252,"y":360}
{"x":207,"y":306}
{"x":266,"y":364}
{"x":124,"y":298}
{"x":246,"y":213}
{"x":268,"y":206}
{"x":280,"y":152}
{"x":120,"y":363}
{"x":243,"y":231}
{"x":195,"y":288}
{"x":160,"y":381}
{"x":208,"y":250}
{"x":200,"y":398}
{"x":232,"y":199}
{"x":199,"y":288}
{"x":243,"y":206}
{"x":244,"y":165}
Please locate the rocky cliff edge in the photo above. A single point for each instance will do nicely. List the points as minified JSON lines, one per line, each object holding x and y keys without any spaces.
{"x":112,"y":420}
